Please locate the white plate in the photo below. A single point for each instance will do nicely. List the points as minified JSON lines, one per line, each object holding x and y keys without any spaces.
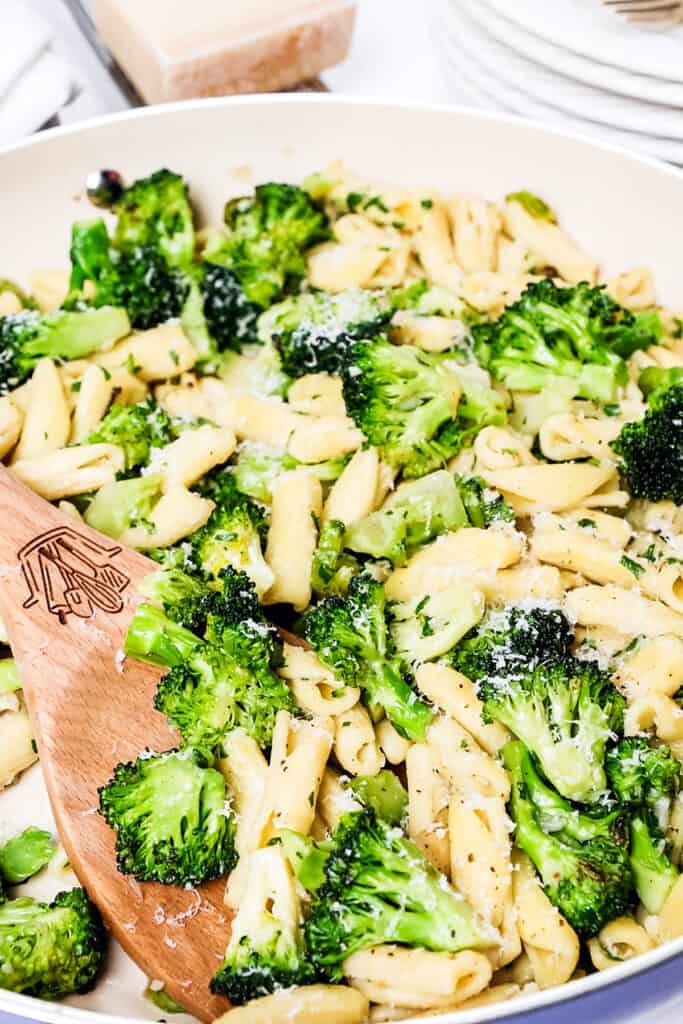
{"x":590,"y":29}
{"x":508,"y":96}
{"x":575,"y":98}
{"x":572,"y":64}
{"x":211,"y":142}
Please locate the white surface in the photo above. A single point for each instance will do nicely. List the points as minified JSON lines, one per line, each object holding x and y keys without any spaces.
{"x":590,"y":28}
{"x":34,"y":83}
{"x":41,"y":182}
{"x":496,"y":93}
{"x":572,"y":97}
{"x":565,"y":62}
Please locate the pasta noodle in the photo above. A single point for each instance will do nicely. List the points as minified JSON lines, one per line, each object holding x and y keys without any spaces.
{"x":417,"y":978}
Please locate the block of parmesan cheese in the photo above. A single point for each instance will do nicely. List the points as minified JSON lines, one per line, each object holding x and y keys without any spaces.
{"x":175,"y":49}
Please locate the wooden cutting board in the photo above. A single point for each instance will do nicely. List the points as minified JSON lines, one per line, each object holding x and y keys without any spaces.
{"x":173,"y":50}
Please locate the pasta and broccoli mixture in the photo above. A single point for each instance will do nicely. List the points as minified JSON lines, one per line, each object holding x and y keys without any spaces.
{"x":412,"y":473}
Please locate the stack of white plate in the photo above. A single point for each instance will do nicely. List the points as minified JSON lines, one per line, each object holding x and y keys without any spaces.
{"x":573,"y":63}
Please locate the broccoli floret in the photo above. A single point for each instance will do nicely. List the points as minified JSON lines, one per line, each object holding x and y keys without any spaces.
{"x":417,"y":512}
{"x":351,"y":636}
{"x":378,"y":887}
{"x":312,"y":330}
{"x":156,"y":212}
{"x":266,"y":951}
{"x":651,"y":449}
{"x":125,"y":504}
{"x":514,"y":640}
{"x":428,"y":625}
{"x":414,"y":405}
{"x":265,"y":238}
{"x":565,"y":712}
{"x":136,"y":277}
{"x":51,"y":950}
{"x":233,"y":534}
{"x":217,"y":316}
{"x":137,"y":429}
{"x":258,"y":465}
{"x":222,"y":654}
{"x":583,"y":861}
{"x":332,"y":570}
{"x":646,"y":780}
{"x":170,"y":816}
{"x":27,"y":337}
{"x":653,"y":380}
{"x":383,"y":793}
{"x":578,"y":333}
{"x":483,"y":505}
{"x":25,"y":855}
{"x":644,"y":776}
{"x":403,"y":400}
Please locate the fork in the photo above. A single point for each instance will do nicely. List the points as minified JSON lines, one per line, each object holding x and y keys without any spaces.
{"x":661,"y":11}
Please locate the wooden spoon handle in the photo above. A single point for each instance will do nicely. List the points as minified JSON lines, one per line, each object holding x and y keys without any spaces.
{"x":66,"y":596}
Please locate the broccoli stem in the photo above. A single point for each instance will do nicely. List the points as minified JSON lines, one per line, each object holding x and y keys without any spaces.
{"x":385,"y":686}
{"x":154,"y":638}
{"x":654,"y":874}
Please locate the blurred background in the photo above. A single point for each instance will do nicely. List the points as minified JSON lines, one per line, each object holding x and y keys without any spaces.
{"x":611,"y":68}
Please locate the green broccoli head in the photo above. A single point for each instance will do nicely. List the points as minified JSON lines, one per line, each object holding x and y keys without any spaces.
{"x":646,"y":776}
{"x":565,"y":712}
{"x":513,"y":640}
{"x":577,"y":333}
{"x":483,"y":504}
{"x":124,"y":504}
{"x":29,"y":336}
{"x":651,"y":449}
{"x":266,"y":235}
{"x":136,"y":277}
{"x":171,"y":820}
{"x":417,"y":512}
{"x":135,"y":428}
{"x":404,"y":400}
{"x":313,"y":330}
{"x":266,"y":951}
{"x":155,"y":212}
{"x":258,"y":465}
{"x":646,"y":780}
{"x":222,"y":653}
{"x":233,"y":534}
{"x":51,"y":950}
{"x":589,"y":880}
{"x":378,"y":887}
{"x":350,"y":634}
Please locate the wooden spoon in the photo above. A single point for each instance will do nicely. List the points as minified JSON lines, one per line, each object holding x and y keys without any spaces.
{"x":67,"y":594}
